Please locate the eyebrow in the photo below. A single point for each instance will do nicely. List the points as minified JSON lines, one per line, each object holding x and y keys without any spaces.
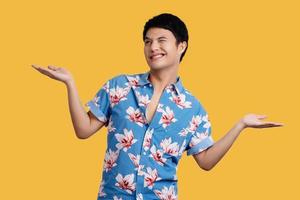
{"x":161,"y":37}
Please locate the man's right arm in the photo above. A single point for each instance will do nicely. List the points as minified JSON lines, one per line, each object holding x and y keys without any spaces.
{"x":85,"y":124}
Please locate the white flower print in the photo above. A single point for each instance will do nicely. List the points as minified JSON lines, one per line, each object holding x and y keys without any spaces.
{"x":194,"y":123}
{"x":175,"y":177}
{"x":140,"y":196}
{"x":198,"y":138}
{"x":147,"y":139}
{"x":167,"y":116}
{"x":135,"y":116}
{"x":206,"y":120}
{"x":150,"y":177}
{"x":126,"y":183}
{"x":157,"y":155}
{"x":180,"y":101}
{"x":166,"y":193}
{"x":116,"y":198}
{"x":101,"y":193}
{"x":169,"y":88}
{"x":96,"y":100}
{"x":182,"y":147}
{"x":140,"y":170}
{"x":110,"y":126}
{"x":133,"y":81}
{"x":125,"y":140}
{"x":184,"y":132}
{"x":101,"y":118}
{"x":143,"y":100}
{"x":135,"y":160}
{"x":169,"y":147}
{"x":118,"y":94}
{"x":110,"y":160}
{"x":106,"y":87}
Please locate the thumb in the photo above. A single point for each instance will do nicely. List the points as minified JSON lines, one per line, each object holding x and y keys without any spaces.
{"x":52,"y":67}
{"x":261,"y":116}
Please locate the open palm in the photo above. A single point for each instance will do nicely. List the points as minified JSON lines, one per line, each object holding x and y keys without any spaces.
{"x":255,"y":121}
{"x":57,"y":73}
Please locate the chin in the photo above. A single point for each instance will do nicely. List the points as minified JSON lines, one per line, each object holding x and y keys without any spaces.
{"x":157,"y":66}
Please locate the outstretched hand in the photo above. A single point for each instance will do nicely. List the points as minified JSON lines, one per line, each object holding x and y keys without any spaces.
{"x":255,"y":121}
{"x":57,"y":73}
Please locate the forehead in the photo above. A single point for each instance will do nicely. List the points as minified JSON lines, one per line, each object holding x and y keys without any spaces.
{"x":154,"y":33}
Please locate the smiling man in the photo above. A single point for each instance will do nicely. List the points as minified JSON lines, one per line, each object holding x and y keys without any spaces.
{"x":151,"y":119}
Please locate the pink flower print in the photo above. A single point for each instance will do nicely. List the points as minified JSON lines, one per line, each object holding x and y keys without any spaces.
{"x":166,"y":193}
{"x":167,"y":117}
{"x":133,"y":81}
{"x":147,"y":139}
{"x":180,"y":101}
{"x":195,"y":122}
{"x":125,"y":140}
{"x":169,"y":147}
{"x":157,"y":155}
{"x":135,"y":116}
{"x":126,"y":183}
{"x":135,"y":159}
{"x":150,"y":177}
{"x":110,"y":159}
{"x":118,"y":94}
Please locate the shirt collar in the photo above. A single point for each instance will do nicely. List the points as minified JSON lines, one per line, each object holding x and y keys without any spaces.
{"x":144,"y":80}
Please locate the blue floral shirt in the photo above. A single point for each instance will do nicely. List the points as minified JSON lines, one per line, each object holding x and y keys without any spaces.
{"x":141,"y":158}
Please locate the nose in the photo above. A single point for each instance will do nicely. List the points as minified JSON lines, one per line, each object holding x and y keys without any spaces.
{"x":154,"y":46}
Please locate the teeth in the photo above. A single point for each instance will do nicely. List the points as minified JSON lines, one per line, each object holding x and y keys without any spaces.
{"x":157,"y":56}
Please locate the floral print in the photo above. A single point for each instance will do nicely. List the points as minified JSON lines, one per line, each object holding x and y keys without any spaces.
{"x":141,"y":158}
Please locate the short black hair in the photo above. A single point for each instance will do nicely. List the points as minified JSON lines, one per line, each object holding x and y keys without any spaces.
{"x":172,"y":23}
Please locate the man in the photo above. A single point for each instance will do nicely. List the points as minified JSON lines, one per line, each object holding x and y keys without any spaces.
{"x":151,"y":119}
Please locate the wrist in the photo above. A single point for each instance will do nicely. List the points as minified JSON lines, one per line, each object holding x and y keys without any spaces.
{"x":69,"y":82}
{"x":241,"y":124}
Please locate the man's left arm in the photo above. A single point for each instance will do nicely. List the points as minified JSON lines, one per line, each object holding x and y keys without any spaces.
{"x":208,"y":158}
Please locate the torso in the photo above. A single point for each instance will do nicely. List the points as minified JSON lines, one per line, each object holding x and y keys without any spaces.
{"x":151,"y":108}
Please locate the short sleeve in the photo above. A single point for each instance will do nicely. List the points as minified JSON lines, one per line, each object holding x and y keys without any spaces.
{"x":201,"y":138}
{"x":100,"y":104}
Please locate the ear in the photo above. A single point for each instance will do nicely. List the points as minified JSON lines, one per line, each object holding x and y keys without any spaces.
{"x":182,"y":46}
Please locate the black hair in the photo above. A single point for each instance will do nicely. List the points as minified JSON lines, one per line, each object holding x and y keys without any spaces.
{"x":172,"y":23}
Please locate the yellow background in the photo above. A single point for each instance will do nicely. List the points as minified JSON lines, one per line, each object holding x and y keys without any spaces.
{"x":243,"y":57}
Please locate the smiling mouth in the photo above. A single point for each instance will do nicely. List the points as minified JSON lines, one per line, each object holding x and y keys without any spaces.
{"x":157,"y":57}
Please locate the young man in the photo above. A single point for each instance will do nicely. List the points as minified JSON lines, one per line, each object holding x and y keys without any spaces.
{"x":151,"y":119}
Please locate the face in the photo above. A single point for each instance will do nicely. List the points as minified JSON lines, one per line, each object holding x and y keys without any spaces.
{"x":160,"y":49}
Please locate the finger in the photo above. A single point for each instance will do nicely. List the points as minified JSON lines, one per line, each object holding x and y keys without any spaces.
{"x":273,"y":124}
{"x":52,"y":67}
{"x":46,"y":71}
{"x":261,"y":116}
{"x":35,"y":66}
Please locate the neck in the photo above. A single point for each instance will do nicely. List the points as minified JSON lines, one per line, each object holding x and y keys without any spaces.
{"x":163,"y":77}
